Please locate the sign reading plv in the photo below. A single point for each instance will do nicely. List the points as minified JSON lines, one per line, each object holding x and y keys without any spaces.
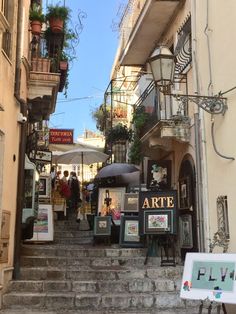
{"x":211,"y":276}
{"x":61,"y":136}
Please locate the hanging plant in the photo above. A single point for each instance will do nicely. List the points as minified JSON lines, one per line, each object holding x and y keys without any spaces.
{"x":101,"y":116}
{"x":57,"y":17}
{"x":37,"y":18}
{"x":140,"y":117}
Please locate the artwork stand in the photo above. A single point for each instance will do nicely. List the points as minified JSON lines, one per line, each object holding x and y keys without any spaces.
{"x":167,"y":244}
{"x":218,"y":308}
{"x":152,"y":247}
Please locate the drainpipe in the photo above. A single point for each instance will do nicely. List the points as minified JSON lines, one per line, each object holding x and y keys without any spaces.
{"x":22,"y":144}
{"x":200,"y":142}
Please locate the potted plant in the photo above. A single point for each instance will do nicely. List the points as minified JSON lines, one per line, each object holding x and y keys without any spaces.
{"x":57,"y":16}
{"x":37,"y":18}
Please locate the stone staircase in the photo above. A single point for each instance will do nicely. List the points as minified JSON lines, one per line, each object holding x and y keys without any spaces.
{"x":74,"y":276}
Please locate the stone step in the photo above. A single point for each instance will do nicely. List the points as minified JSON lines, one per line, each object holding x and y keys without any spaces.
{"x":98,"y":273}
{"x":74,"y":241}
{"x":81,"y":251}
{"x":72,"y":234}
{"x":95,"y":301}
{"x":130,"y":311}
{"x":145,"y":285}
{"x":43,"y":261}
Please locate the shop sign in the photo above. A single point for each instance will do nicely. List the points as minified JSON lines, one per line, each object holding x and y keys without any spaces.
{"x":41,"y":156}
{"x":61,"y":136}
{"x":209,"y":276}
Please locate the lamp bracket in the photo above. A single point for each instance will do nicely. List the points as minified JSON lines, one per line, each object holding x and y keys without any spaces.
{"x":211,"y":104}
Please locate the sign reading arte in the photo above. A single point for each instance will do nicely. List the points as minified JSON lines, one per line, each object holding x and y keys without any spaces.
{"x":211,"y":276}
{"x":61,"y":136}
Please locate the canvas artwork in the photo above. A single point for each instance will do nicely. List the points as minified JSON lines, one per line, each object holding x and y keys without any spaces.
{"x":186,"y":235}
{"x":44,"y":187}
{"x":102,"y":225}
{"x":131,"y":202}
{"x":129,"y":232}
{"x":111,"y":202}
{"x":184,"y":193}
{"x":157,"y":221}
{"x":159,"y":174}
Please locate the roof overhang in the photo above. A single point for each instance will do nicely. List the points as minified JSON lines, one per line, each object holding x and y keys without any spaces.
{"x":147,"y":31}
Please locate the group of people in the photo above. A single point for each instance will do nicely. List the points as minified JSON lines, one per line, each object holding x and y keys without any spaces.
{"x":69,"y":188}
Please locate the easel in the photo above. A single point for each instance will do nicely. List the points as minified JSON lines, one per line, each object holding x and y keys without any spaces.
{"x":218,"y":307}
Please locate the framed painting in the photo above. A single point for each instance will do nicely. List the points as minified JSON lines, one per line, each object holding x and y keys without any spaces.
{"x":129,"y":232}
{"x":102,"y":225}
{"x":159,"y":175}
{"x":184,"y":193}
{"x":131,"y":202}
{"x":43,"y":226}
{"x":44,"y":187}
{"x":158,"y":221}
{"x":111,"y":202}
{"x":185,"y":231}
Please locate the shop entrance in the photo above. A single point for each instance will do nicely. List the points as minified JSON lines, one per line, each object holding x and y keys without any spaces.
{"x":187,"y":207}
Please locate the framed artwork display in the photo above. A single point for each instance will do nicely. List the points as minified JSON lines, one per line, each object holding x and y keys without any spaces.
{"x":111,"y":202}
{"x":159,"y":174}
{"x":102,"y":225}
{"x":43,"y":226}
{"x":184,"y":193}
{"x":44,"y":187}
{"x":158,"y":221}
{"x":185,"y":231}
{"x":129,"y":232}
{"x":131,"y":202}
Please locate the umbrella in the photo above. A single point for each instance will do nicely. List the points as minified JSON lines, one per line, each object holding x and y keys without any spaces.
{"x":116,"y":169}
{"x":81,"y":156}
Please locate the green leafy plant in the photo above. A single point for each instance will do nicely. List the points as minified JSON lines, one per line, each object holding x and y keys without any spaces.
{"x":60,"y":12}
{"x":101,"y":115}
{"x":120,"y":132}
{"x":36,"y":14}
{"x":135,"y":154}
{"x":140,"y":117}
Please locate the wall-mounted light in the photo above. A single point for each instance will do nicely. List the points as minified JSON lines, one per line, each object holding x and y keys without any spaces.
{"x":162,"y":64}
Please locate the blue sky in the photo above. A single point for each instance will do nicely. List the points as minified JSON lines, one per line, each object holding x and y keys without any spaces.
{"x":90,"y":74}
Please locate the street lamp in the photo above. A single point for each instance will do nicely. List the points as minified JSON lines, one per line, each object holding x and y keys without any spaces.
{"x":162,"y":64}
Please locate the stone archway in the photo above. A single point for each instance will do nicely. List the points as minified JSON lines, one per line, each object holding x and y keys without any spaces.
{"x":187,"y":207}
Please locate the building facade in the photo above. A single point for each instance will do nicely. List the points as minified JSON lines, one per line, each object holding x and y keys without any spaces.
{"x":185,"y":135}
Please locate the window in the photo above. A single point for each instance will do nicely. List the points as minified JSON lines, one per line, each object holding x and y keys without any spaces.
{"x":6,"y":19}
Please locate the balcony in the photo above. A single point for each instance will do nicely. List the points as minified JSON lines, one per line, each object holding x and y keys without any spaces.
{"x":142,"y":26}
{"x":44,"y":81}
{"x":166,"y":120}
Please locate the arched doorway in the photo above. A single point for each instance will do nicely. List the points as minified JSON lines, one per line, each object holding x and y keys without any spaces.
{"x":187,"y":207}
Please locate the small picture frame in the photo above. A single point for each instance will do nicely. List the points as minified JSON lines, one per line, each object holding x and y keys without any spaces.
{"x":159,"y":175}
{"x":131,"y":202}
{"x":129,"y":232}
{"x":185,"y":230}
{"x":44,"y":187}
{"x":158,"y":221}
{"x":184,"y":193}
{"x":102,"y":225}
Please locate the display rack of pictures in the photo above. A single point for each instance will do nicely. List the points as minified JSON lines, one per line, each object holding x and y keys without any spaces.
{"x":158,"y":212}
{"x":111,"y":202}
{"x":185,"y":231}
{"x":43,"y":226}
{"x":102,"y":225}
{"x":159,"y":175}
{"x":129,"y":232}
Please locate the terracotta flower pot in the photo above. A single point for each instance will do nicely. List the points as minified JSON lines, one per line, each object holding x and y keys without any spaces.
{"x":56,"y":25}
{"x":63,"y":65}
{"x":36,"y":27}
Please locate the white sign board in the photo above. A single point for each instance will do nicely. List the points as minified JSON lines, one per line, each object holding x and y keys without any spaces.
{"x":211,"y":276}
